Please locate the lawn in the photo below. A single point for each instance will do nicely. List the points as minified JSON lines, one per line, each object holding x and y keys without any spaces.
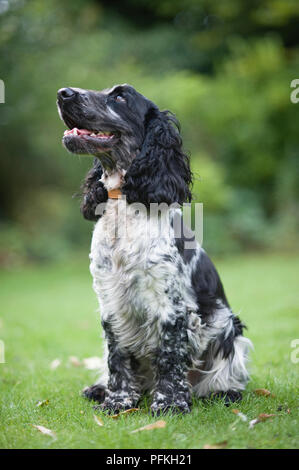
{"x":49,"y":313}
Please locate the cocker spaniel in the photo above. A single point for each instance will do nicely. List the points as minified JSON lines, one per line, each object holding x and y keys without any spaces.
{"x":168,"y":327}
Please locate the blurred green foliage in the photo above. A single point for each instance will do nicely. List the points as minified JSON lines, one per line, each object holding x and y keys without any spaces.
{"x":224,"y":68}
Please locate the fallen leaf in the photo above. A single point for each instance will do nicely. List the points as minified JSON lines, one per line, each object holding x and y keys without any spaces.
{"x":260,"y":419}
{"x":98,"y":420}
{"x":253,"y":422}
{"x":240,"y":414}
{"x":264,"y":416}
{"x":54,"y":364}
{"x":43,"y":403}
{"x":75,"y":361}
{"x":92,"y":363}
{"x":264,"y":392}
{"x":149,"y":427}
{"x":45,"y":431}
{"x":219,"y":445}
{"x":126,"y":412}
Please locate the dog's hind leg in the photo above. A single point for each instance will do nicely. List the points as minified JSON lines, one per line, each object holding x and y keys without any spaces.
{"x":222,"y":375}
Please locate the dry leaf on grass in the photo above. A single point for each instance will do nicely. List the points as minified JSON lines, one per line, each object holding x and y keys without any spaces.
{"x":98,"y":420}
{"x":92,"y":363}
{"x":45,"y":431}
{"x":263,"y":392}
{"x":261,"y":418}
{"x":75,"y":361}
{"x":219,"y":445}
{"x":264,"y":416}
{"x":54,"y":364}
{"x":149,"y":427}
{"x":43,"y":403}
{"x":240,"y":414}
{"x":126,"y":412}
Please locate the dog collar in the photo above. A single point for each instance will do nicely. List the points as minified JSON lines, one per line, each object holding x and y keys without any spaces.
{"x":114,"y":193}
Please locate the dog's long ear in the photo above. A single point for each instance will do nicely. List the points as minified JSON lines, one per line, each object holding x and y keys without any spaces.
{"x":161,"y":171}
{"x":93,"y":192}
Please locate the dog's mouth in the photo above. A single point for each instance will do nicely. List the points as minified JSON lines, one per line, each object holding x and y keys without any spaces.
{"x":91,"y":135}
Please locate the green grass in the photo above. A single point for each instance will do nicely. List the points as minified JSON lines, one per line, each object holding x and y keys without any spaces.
{"x":50,"y":312}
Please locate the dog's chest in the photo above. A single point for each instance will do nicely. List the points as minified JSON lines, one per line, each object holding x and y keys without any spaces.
{"x":134,"y":269}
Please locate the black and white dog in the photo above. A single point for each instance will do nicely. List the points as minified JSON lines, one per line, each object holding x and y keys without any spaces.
{"x":168,"y":326}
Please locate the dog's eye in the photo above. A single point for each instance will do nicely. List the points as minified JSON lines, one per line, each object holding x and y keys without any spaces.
{"x":120,"y":99}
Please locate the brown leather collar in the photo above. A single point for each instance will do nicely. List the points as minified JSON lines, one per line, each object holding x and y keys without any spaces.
{"x":114,"y":193}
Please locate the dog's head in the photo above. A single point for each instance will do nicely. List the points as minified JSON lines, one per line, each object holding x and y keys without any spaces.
{"x":108,"y":124}
{"x":126,"y":131}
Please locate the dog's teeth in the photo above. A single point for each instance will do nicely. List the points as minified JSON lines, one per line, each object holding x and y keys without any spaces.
{"x":104,"y":134}
{"x":75,"y":131}
{"x":93,"y":134}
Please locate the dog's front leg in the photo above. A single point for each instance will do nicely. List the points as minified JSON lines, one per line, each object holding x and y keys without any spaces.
{"x":171,"y":364}
{"x":123,"y":390}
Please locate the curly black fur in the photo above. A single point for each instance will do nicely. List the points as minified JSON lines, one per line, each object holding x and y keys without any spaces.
{"x":161,"y":171}
{"x":93,"y":192}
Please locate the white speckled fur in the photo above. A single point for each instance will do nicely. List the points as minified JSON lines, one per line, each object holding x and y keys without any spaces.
{"x":130,"y":277}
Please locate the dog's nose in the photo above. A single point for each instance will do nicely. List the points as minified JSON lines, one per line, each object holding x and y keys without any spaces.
{"x":66,"y":93}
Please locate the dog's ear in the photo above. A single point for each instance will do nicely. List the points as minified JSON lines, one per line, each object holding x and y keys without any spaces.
{"x":93,"y":192}
{"x":161,"y":171}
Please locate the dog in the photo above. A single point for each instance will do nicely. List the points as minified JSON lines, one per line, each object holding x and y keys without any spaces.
{"x":169,"y":329}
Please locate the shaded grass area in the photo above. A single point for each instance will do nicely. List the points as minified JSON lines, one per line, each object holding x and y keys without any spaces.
{"x":50,"y":312}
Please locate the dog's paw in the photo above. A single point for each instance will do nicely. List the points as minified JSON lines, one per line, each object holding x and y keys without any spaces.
{"x":160,"y":407}
{"x":95,"y":393}
{"x":229,"y":397}
{"x":117,"y":403}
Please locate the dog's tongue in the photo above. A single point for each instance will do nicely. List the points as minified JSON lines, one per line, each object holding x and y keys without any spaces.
{"x":77,"y":131}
